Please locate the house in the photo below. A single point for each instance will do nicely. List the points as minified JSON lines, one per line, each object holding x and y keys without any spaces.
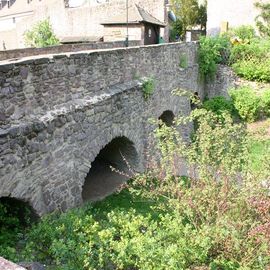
{"x":73,"y":18}
{"x":137,"y":24}
{"x":222,"y":14}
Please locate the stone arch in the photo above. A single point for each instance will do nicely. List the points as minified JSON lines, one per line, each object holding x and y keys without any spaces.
{"x":19,"y":208}
{"x":167,"y":117}
{"x":121,"y":154}
{"x":195,"y":99}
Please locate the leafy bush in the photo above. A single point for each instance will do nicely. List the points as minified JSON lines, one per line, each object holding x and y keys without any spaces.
{"x":253,"y":70}
{"x":15,"y":218}
{"x":263,"y":19}
{"x":148,"y":87}
{"x":252,"y":60}
{"x":244,"y":32}
{"x":266,"y":102}
{"x":219,"y":105}
{"x":215,"y":218}
{"x":211,"y":52}
{"x":247,"y":103}
{"x":41,"y":35}
{"x":183,"y":61}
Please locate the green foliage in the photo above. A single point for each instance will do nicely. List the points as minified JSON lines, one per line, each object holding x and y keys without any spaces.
{"x":219,"y":105}
{"x":190,"y":13}
{"x":183,"y":61}
{"x":244,"y":32}
{"x":217,"y":218}
{"x":263,"y":20}
{"x":253,"y":70}
{"x":177,"y":30}
{"x":14,"y":220}
{"x":211,"y":52}
{"x":266,"y":102}
{"x":148,"y":87}
{"x":247,"y":103}
{"x":258,"y":150}
{"x":251,"y":60}
{"x":41,"y":35}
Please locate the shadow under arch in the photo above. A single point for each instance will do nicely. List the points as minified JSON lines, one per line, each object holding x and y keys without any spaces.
{"x":167,"y":118}
{"x":17,"y":209}
{"x":101,"y":181}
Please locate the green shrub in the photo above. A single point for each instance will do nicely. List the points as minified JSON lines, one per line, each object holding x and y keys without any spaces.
{"x":253,"y":70}
{"x":266,"y":102}
{"x":252,"y":60}
{"x":247,"y":103}
{"x":211,"y":52}
{"x":219,"y":105}
{"x":148,"y":87}
{"x":263,"y":19}
{"x":41,"y":35}
{"x":255,"y":49}
{"x":201,"y":222}
{"x":183,"y":61}
{"x":14,"y":220}
{"x":244,"y":32}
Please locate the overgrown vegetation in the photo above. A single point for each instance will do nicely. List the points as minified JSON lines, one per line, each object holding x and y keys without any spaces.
{"x":15,"y":218}
{"x":263,"y":20}
{"x":183,"y":61}
{"x":41,"y":35}
{"x":248,"y":55}
{"x":189,"y":13}
{"x":212,"y":51}
{"x":217,"y":218}
{"x":148,"y":87}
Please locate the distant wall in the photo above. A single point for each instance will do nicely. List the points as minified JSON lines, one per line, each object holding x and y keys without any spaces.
{"x":119,"y":32}
{"x":19,"y":53}
{"x":235,"y":12}
{"x":80,"y":21}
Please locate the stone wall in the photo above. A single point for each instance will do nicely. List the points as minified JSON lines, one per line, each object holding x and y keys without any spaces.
{"x":224,"y":80}
{"x":19,"y":53}
{"x":57,"y":112}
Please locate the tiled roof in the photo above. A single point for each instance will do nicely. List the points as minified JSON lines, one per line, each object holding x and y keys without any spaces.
{"x":136,"y":15}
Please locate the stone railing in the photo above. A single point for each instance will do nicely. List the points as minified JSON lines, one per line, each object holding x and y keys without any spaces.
{"x":20,"y":53}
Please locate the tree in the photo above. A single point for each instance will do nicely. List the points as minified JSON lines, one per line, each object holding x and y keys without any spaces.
{"x":189,"y":14}
{"x":263,"y":20}
{"x":41,"y":35}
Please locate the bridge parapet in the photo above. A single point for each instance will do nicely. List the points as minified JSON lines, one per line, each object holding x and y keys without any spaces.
{"x":31,"y":87}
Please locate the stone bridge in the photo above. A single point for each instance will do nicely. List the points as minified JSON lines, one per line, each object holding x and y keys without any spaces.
{"x":65,"y":118}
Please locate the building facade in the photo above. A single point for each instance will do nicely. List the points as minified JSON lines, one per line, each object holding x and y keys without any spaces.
{"x":69,"y":18}
{"x":233,"y":13}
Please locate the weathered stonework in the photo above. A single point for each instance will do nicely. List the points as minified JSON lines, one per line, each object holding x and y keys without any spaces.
{"x":58,"y":112}
{"x":224,"y":80}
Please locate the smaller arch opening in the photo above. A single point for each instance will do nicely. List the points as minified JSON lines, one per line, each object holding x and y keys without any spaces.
{"x":194,"y":101}
{"x":167,"y":117}
{"x":101,"y":180}
{"x":15,"y":217}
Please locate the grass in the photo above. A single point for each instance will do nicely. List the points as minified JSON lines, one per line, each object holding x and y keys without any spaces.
{"x":124,"y":201}
{"x":258,"y":149}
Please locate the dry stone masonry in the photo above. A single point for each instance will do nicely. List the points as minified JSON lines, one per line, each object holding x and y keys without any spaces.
{"x":57,"y":113}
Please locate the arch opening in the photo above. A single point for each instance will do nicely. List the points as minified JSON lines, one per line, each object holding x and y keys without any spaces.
{"x":167,"y":118}
{"x":15,"y":217}
{"x":101,"y":180}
